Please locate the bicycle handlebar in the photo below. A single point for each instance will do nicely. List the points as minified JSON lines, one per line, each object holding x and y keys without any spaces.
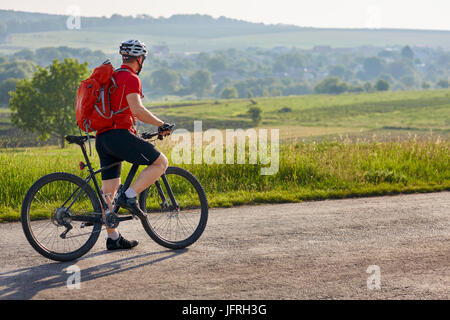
{"x":149,"y":135}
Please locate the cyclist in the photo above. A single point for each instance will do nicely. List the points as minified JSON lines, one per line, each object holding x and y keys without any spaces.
{"x":120,"y":142}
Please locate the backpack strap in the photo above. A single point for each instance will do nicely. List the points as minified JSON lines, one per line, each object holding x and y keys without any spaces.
{"x":115,"y":86}
{"x":114,"y":81}
{"x":86,"y":127}
{"x":122,"y":69}
{"x":119,"y":111}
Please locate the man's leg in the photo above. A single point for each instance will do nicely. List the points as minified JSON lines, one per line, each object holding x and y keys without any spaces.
{"x":109,"y":189}
{"x":149,"y":175}
{"x":115,"y":239}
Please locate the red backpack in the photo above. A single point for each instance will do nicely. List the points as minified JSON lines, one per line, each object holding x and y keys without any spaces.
{"x":92,"y":106}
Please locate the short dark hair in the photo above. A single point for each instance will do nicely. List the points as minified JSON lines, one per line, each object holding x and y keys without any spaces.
{"x":126,"y":58}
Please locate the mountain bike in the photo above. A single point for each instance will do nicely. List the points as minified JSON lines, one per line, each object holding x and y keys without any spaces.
{"x":63,"y":214}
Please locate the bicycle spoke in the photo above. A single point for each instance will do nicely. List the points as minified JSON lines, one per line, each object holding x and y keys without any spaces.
{"x":48,"y":219}
{"x":175,"y":224}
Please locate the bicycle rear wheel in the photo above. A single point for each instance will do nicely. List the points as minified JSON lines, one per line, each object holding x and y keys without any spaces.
{"x":48,"y":209}
{"x":175,"y":225}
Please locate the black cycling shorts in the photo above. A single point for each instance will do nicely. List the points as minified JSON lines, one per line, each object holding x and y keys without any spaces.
{"x":119,"y":145}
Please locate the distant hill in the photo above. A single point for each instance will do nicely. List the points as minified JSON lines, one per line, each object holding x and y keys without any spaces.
{"x":191,"y":33}
{"x":177,"y":25}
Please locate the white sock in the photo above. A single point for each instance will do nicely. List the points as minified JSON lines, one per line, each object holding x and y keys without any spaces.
{"x":114,"y":235}
{"x":130,"y":193}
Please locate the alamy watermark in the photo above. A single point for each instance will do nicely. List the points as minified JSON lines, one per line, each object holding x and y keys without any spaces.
{"x":228,"y":146}
{"x":74,"y":19}
{"x":374,"y":280}
{"x":74,"y":280}
{"x":373,"y":17}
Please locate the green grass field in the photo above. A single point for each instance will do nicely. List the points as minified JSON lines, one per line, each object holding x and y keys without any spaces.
{"x":332,"y":147}
{"x":307,"y":171}
{"x":387,"y":115}
{"x":414,"y":111}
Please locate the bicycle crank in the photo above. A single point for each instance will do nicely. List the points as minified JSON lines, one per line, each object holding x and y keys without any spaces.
{"x":111,"y":220}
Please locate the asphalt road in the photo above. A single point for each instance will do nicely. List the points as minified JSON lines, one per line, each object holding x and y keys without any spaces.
{"x":310,"y":250}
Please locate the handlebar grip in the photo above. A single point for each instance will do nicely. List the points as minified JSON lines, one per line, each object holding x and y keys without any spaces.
{"x":148,"y":135}
{"x":166,"y":127}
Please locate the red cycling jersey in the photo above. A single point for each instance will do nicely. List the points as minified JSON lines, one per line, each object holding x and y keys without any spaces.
{"x":127,"y":82}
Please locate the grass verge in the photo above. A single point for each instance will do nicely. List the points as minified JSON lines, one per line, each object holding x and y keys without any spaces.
{"x":307,"y":171}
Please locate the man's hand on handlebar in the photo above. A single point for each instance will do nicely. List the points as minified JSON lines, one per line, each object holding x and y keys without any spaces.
{"x":165,"y":129}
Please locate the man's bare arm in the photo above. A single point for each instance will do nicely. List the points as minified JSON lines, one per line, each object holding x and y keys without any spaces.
{"x":138,"y":109}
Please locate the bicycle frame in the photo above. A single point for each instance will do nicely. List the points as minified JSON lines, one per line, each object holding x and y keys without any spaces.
{"x":125,"y":186}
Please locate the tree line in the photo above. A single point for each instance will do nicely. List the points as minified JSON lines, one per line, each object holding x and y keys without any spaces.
{"x":42,"y":99}
{"x":256,"y":72}
{"x":284,"y":71}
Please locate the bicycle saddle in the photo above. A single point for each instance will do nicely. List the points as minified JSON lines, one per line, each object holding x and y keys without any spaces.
{"x":78,"y":139}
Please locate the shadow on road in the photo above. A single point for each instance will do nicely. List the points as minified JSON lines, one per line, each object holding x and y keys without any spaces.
{"x":25,"y":283}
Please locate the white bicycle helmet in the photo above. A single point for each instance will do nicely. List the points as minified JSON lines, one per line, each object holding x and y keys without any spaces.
{"x":133,"y":48}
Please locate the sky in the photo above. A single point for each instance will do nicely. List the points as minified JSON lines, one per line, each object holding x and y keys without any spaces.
{"x":402,"y":14}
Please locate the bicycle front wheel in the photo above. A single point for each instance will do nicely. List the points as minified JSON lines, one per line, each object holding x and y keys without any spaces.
{"x":49,"y":216}
{"x":177,"y":209}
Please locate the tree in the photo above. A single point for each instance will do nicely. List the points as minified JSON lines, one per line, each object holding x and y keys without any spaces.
{"x":229,"y":93}
{"x":409,"y":80}
{"x":17,"y":69}
{"x":165,"y":80}
{"x":426,"y":85}
{"x":275,"y":91}
{"x":5,"y":87}
{"x":444,"y":84}
{"x":444,"y":59}
{"x":45,"y":104}
{"x":217,"y":64}
{"x":48,"y":54}
{"x":255,"y":114}
{"x":24,"y":54}
{"x":331,"y":85}
{"x":202,"y":59}
{"x":382,"y":85}
{"x":288,"y":61}
{"x":407,"y":53}
{"x":373,"y":67}
{"x":368,"y":87}
{"x":201,"y":82}
{"x":298,"y":89}
{"x":400,"y":69}
{"x":340,"y":72}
